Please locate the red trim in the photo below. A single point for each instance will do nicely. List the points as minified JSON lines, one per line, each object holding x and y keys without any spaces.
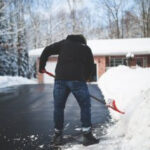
{"x":114,"y":107}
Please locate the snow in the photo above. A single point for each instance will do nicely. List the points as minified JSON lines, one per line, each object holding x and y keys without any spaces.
{"x":36,"y":52}
{"x":6,"y":81}
{"x":131,"y":90}
{"x":129,"y":55}
{"x":112,"y":47}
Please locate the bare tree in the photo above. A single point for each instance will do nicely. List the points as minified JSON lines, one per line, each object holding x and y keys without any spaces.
{"x":113,"y":9}
{"x":131,"y":25}
{"x":144,"y":9}
{"x":73,"y":6}
{"x":113,"y":12}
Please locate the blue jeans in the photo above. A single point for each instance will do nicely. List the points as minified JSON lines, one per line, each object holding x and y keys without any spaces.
{"x":62,"y":88}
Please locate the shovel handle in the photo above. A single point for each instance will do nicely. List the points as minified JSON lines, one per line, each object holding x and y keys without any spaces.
{"x":113,"y":106}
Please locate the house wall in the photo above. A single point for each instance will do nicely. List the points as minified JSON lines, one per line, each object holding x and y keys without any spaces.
{"x":101,"y":65}
{"x":148,"y":60}
{"x":143,"y":57}
{"x":39,"y":75}
{"x":131,"y":62}
{"x":101,"y":61}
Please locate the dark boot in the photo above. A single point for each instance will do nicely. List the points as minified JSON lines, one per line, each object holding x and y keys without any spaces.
{"x":57,"y":138}
{"x":89,"y":139}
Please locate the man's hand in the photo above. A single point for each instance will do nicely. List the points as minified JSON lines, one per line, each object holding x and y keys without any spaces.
{"x":90,"y":79}
{"x":42,"y":70}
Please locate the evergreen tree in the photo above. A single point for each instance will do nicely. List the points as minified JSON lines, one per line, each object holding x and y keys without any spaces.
{"x":23,"y":58}
{"x":14,"y":59}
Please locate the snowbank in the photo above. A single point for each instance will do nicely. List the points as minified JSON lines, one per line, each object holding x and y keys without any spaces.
{"x":124,"y":84}
{"x":131,"y":90}
{"x":6,"y":81}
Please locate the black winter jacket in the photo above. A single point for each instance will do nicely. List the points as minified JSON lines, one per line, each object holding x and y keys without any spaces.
{"x":75,"y":60}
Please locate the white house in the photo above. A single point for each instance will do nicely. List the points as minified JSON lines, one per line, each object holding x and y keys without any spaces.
{"x":107,"y":53}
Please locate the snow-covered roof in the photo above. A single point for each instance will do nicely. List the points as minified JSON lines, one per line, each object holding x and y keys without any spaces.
{"x":112,"y":47}
{"x":36,"y":52}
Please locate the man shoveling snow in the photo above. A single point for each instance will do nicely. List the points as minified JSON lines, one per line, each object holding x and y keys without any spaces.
{"x":73,"y":70}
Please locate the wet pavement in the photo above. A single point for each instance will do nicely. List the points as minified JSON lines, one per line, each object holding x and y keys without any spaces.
{"x":26,"y":116}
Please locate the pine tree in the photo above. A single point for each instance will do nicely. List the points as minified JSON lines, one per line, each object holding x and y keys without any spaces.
{"x":14,"y":59}
{"x":23,"y":58}
{"x":3,"y":39}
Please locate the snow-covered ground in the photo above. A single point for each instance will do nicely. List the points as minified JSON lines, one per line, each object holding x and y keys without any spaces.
{"x":6,"y":81}
{"x":131,"y":90}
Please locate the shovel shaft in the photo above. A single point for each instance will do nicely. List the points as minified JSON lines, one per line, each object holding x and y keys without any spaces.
{"x":114,"y":107}
{"x":97,"y":99}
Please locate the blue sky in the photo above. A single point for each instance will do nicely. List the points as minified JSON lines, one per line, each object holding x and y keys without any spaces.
{"x":98,"y":12}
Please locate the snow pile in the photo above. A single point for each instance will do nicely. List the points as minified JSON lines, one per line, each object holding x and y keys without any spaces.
{"x":6,"y":81}
{"x":131,"y":90}
{"x":124,"y":84}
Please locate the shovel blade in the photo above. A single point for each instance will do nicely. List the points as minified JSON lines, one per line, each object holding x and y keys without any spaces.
{"x":113,"y":106}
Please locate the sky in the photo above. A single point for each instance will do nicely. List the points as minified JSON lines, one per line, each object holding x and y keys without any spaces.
{"x":57,"y":5}
{"x":96,"y":10}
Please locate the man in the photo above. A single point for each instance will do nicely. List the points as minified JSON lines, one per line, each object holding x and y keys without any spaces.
{"x":74,"y":68}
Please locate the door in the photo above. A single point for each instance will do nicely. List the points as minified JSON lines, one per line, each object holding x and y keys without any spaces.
{"x":50,"y":67}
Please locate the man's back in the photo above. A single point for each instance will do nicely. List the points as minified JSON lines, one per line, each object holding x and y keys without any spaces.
{"x":75,"y":60}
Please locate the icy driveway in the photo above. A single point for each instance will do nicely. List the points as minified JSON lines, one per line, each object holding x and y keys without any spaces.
{"x":26,"y":115}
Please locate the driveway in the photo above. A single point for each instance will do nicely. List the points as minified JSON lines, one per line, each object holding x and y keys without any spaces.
{"x":26,"y":116}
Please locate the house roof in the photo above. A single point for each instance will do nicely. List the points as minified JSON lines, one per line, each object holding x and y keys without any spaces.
{"x":112,"y":47}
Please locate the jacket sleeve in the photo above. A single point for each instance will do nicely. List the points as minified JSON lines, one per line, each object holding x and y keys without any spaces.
{"x":90,"y":64}
{"x":53,"y":49}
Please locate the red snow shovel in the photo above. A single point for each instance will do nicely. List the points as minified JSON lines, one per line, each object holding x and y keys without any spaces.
{"x":111,"y":104}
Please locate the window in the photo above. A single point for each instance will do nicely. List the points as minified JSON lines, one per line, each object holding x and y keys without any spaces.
{"x":117,"y":61}
{"x":141,"y":61}
{"x":145,"y":62}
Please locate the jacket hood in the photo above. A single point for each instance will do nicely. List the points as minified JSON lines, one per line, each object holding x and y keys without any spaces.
{"x":78,"y":38}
